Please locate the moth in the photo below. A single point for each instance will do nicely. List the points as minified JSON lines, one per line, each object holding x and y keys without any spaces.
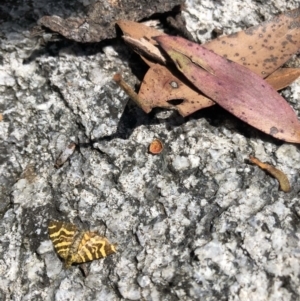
{"x":78,"y":246}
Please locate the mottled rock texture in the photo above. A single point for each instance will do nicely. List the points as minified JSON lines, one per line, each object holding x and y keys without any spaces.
{"x":98,"y":22}
{"x":196,"y":222}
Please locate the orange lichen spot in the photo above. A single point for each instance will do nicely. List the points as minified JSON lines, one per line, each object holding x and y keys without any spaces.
{"x":284,"y":183}
{"x":156,"y":147}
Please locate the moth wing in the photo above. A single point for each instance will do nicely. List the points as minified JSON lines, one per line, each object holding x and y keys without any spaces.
{"x":62,"y":236}
{"x":93,"y":246}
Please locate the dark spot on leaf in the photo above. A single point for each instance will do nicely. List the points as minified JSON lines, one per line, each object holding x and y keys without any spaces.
{"x":273,"y":130}
{"x":236,"y":54}
{"x":289,"y":37}
{"x":190,"y":44}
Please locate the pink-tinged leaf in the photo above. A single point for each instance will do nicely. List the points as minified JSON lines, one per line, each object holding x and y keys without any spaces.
{"x":262,"y":49}
{"x":234,"y":87}
{"x":161,"y":85}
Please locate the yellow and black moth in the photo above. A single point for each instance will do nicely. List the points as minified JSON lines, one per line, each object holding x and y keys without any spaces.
{"x":78,"y":246}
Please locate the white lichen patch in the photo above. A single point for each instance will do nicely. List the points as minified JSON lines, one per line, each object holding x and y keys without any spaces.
{"x":45,"y":246}
{"x":34,"y":268}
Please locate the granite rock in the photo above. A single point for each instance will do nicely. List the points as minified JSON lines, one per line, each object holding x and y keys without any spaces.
{"x":196,"y":222}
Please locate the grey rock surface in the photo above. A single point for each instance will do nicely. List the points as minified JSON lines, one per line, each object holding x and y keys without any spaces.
{"x":196,"y":222}
{"x":98,"y":22}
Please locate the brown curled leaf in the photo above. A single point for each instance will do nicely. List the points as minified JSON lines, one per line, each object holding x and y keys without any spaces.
{"x":146,"y":50}
{"x":283,"y":77}
{"x":161,"y":85}
{"x":254,"y":48}
{"x":262,"y":48}
{"x":276,"y":173}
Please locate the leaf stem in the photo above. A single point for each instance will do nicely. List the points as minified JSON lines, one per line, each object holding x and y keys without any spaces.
{"x":131,"y":93}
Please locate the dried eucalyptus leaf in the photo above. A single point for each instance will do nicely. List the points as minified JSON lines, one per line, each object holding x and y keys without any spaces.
{"x":262,"y":48}
{"x":234,"y":87}
{"x":282,"y":31}
{"x":283,"y":77}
